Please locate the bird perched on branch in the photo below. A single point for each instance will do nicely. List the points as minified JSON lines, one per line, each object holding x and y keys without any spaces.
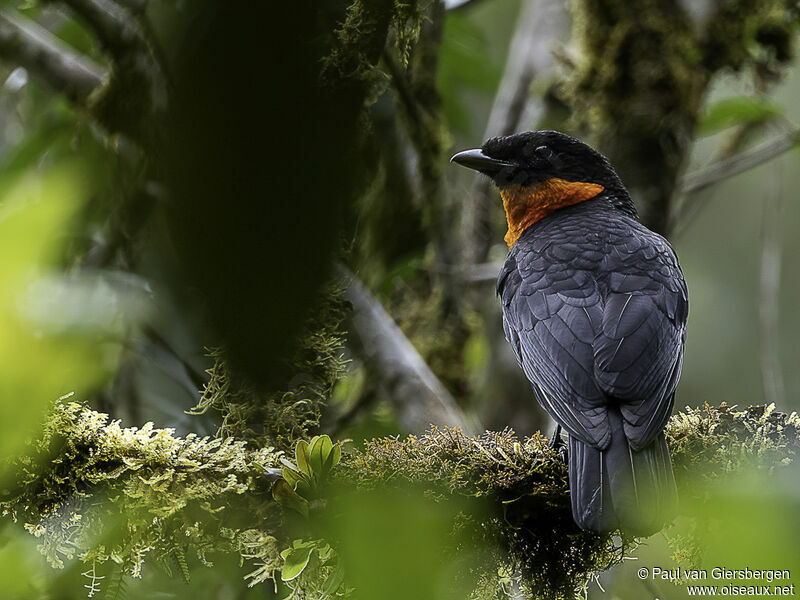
{"x":595,"y":307}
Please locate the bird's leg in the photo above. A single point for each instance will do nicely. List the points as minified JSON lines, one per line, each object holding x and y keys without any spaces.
{"x":558,"y":444}
{"x":555,"y":439}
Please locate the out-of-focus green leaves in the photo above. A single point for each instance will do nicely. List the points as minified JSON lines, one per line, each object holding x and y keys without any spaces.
{"x":736,"y":111}
{"x":476,"y":352}
{"x":23,"y":573}
{"x":750,"y":520}
{"x":52,"y":136}
{"x":398,"y":544}
{"x":465,"y":63}
{"x":38,"y":366}
{"x":102,"y":304}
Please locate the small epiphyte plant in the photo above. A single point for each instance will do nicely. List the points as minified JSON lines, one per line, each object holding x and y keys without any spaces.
{"x":309,"y":565}
{"x":301,"y":480}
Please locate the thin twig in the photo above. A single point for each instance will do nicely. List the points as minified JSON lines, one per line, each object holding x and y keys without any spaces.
{"x":459,"y":4}
{"x":198,"y":377}
{"x":24,"y":42}
{"x":769,"y":293}
{"x":685,"y":212}
{"x":739,"y":163}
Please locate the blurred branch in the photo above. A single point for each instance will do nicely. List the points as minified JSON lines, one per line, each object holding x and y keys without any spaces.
{"x":769,"y":293}
{"x":539,"y":24}
{"x":416,"y":394}
{"x":135,"y":6}
{"x":744,"y":161}
{"x":112,"y":24}
{"x":420,"y":101}
{"x":403,"y":87}
{"x":198,"y":378}
{"x":24,"y":42}
{"x":702,"y":179}
{"x":483,"y":272}
{"x":457,"y":4}
{"x":138,"y":90}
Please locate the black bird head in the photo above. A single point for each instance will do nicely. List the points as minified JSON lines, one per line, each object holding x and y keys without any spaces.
{"x":539,"y":172}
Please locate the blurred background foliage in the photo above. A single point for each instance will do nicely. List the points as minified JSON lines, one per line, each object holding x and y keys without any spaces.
{"x":181,"y":184}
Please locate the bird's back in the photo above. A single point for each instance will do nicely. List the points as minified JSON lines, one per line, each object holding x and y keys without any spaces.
{"x":595,"y":306}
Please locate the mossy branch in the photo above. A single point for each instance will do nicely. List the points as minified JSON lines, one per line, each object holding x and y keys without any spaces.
{"x":88,"y":480}
{"x":87,"y":477}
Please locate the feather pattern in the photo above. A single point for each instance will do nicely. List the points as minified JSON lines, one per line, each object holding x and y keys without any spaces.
{"x":595,"y":307}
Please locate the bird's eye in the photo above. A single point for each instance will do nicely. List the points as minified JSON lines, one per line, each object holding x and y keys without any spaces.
{"x":543,"y":152}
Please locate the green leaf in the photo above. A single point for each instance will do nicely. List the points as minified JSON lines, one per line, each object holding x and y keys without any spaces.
{"x":735,"y":111}
{"x":329,"y":460}
{"x":299,"y":482}
{"x":319,"y":450}
{"x":333,"y":582}
{"x":284,"y":495}
{"x":292,"y":476}
{"x":301,"y":456}
{"x":295,"y":562}
{"x":336,"y":455}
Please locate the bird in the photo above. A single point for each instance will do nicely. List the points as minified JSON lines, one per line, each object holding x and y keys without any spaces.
{"x":594,"y":306}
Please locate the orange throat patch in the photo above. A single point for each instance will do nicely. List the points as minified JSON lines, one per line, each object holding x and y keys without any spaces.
{"x":526,"y":204}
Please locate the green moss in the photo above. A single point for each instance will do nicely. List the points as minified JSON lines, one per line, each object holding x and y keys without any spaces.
{"x":362,"y":35}
{"x":525,"y":484}
{"x":92,"y":490}
{"x":116,"y":497}
{"x":715,"y":441}
{"x":654,"y":50}
{"x":750,"y":33}
{"x":280,"y":417}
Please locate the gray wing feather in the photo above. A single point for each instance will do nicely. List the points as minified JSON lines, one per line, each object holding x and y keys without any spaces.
{"x":588,"y":326}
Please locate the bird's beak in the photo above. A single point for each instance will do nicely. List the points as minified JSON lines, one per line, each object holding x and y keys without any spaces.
{"x":476,"y":159}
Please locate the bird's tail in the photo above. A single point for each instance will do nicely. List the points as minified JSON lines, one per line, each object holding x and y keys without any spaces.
{"x":619,"y":488}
